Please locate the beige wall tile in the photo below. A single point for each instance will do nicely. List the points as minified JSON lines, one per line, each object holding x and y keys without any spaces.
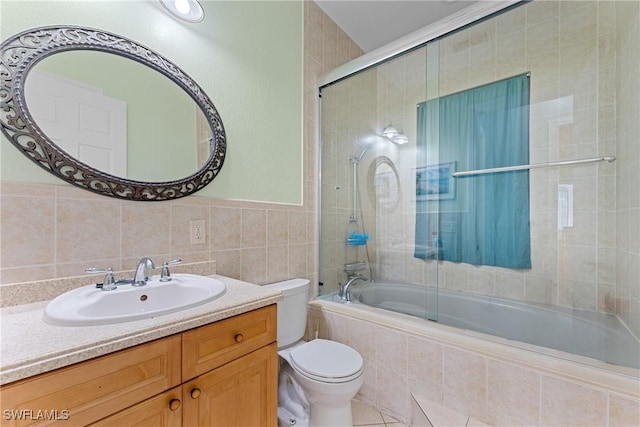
{"x":8,"y":188}
{"x":27,"y":230}
{"x":277,"y":227}
{"x":254,"y":228}
{"x":145,"y":229}
{"x":254,"y":265}
{"x":87,"y":230}
{"x":623,"y":411}
{"x":394,"y":397}
{"x":569,"y":404}
{"x":226,"y":228}
{"x":465,"y":382}
{"x":27,"y":273}
{"x":424,"y":368}
{"x":277,"y":263}
{"x":513,"y":394}
{"x":228,"y":262}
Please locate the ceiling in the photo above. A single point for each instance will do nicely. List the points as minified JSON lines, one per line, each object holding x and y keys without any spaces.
{"x":372,"y":24}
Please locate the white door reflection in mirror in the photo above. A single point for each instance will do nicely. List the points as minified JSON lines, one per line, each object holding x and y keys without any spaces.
{"x":81,"y":120}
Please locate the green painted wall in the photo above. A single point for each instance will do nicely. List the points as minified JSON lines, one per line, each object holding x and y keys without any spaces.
{"x":247,"y":56}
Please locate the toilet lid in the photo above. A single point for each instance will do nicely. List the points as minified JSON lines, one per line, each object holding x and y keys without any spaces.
{"x":327,"y":361}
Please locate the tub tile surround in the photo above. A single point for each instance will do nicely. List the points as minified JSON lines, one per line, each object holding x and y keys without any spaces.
{"x":461,"y":377}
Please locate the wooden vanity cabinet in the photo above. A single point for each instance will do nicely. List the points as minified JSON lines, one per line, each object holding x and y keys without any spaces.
{"x":239,"y":393}
{"x":232,"y":367}
{"x":222,"y":374}
{"x":163,"y":410}
{"x":88,"y":391}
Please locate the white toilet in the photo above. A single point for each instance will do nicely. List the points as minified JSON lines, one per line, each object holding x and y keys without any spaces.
{"x":317,"y":379}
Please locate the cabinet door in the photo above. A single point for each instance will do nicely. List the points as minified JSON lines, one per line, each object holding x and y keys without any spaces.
{"x":242,"y":393}
{"x":89,"y":391}
{"x":164,"y":410}
{"x":210,"y":346}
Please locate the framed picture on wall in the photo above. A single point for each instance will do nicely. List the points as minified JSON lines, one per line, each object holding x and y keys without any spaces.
{"x":434,"y":182}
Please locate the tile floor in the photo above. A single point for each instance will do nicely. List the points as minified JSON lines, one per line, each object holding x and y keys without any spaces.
{"x":424,"y":413}
{"x":365,"y":415}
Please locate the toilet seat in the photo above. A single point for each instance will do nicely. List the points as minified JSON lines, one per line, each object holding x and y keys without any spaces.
{"x":326,"y":361}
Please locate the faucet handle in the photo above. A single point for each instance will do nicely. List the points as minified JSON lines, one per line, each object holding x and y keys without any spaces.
{"x":109,"y":282}
{"x":165,"y":276}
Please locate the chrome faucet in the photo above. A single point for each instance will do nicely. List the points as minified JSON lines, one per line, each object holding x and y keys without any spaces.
{"x":345,"y":293}
{"x":140,"y":278}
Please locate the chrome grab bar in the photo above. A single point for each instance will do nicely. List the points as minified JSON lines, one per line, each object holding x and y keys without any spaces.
{"x":609,"y":159}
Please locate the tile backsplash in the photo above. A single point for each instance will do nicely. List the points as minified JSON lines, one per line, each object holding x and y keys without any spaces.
{"x":51,"y":231}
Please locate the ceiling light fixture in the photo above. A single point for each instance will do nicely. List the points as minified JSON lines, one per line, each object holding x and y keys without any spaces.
{"x":185,"y":10}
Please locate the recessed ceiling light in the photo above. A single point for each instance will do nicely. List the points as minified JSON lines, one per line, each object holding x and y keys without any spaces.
{"x":185,"y":10}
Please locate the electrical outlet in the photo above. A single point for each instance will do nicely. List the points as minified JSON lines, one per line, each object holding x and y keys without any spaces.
{"x":197,"y":231}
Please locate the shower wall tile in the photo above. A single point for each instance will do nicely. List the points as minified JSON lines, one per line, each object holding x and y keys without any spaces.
{"x":541,"y":11}
{"x":573,"y":116}
{"x":627,"y":163}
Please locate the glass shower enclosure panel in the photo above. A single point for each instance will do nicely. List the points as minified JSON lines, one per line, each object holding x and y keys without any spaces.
{"x":368,"y":186}
{"x":428,"y":228}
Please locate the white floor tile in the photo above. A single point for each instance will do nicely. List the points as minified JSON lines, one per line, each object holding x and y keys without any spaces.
{"x":364,"y":414}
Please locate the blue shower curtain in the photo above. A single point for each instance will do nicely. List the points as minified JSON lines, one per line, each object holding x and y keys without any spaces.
{"x":487,"y":220}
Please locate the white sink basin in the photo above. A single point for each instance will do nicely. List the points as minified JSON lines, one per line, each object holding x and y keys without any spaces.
{"x":91,"y":306}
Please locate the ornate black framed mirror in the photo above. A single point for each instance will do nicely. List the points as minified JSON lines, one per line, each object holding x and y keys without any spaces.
{"x":19,"y":55}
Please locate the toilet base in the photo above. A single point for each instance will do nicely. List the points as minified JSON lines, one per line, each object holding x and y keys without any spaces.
{"x":330,"y":416}
{"x":287,"y":419}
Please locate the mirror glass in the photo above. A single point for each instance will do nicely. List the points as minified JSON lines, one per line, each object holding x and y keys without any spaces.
{"x":118,"y":116}
{"x":386,"y":183}
{"x":106,"y":114}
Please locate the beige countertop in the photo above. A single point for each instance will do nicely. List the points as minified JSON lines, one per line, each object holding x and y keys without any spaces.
{"x":29,"y":346}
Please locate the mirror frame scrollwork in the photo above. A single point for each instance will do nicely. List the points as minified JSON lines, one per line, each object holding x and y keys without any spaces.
{"x":21,"y":52}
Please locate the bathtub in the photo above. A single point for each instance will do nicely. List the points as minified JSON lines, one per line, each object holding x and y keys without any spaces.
{"x":483,"y":367}
{"x":584,"y":333}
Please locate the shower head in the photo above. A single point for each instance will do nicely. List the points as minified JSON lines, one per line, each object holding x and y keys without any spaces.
{"x":366,"y":144}
{"x":361,"y":155}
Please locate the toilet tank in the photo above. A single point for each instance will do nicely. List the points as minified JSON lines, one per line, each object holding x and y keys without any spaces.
{"x":292,"y":310}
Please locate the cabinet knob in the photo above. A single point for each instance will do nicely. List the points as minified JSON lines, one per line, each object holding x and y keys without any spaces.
{"x":174,"y":404}
{"x":239,"y":337}
{"x":195,"y":393}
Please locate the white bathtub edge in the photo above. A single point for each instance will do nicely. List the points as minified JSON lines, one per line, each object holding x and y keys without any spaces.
{"x":617,"y":379}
